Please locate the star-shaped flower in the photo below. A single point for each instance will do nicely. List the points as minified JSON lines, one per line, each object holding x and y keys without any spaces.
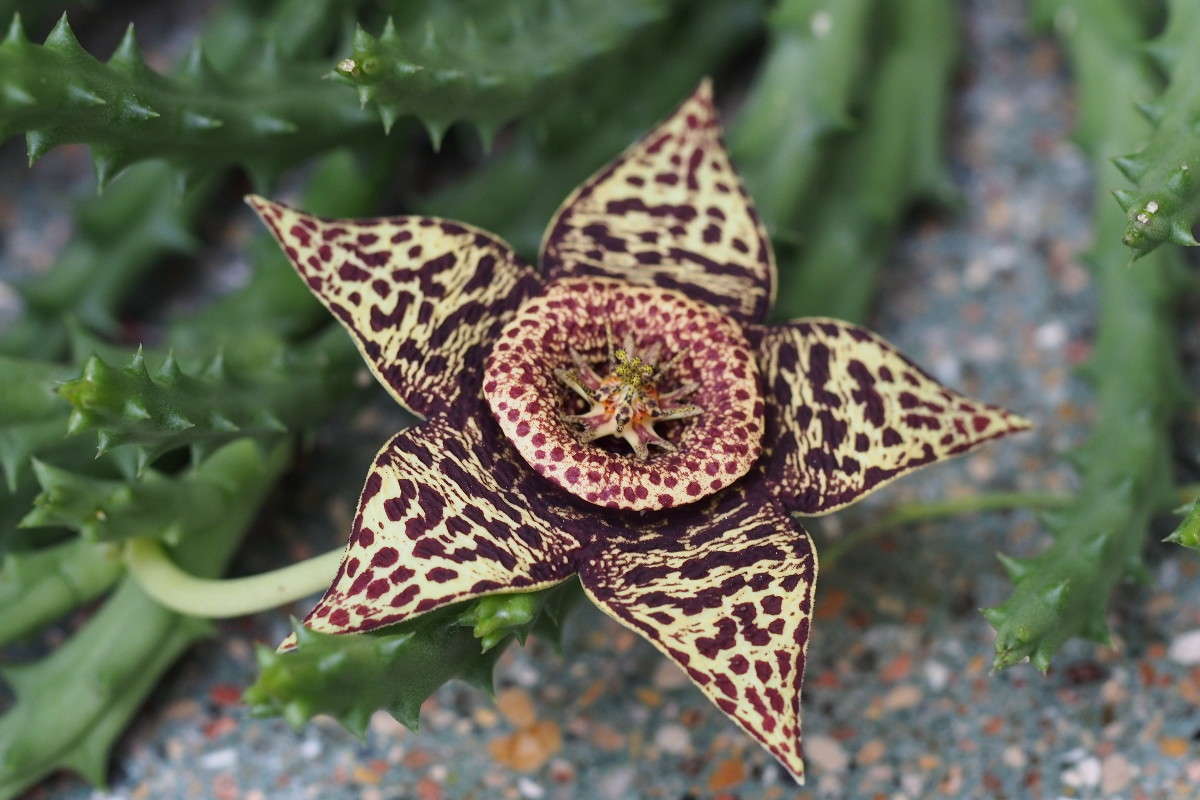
{"x":620,"y":413}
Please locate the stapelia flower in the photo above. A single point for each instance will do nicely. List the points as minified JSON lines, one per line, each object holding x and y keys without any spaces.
{"x":620,"y":413}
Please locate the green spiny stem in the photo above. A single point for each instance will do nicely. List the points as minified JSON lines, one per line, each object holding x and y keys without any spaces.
{"x":892,"y":159}
{"x":426,"y":651}
{"x":1125,"y":464}
{"x":542,"y":175}
{"x":488,"y":63}
{"x":31,"y":414}
{"x":1166,"y":203}
{"x":264,"y":118}
{"x":1187,"y":534}
{"x":802,"y":95}
{"x":72,"y":705}
{"x":224,"y":401}
{"x":121,"y":676}
{"x":179,"y":591}
{"x":157,"y":506}
{"x":47,"y":583}
{"x":143,"y":216}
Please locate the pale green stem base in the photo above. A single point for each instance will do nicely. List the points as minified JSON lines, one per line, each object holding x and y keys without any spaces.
{"x":158,"y":575}
{"x":179,"y":591}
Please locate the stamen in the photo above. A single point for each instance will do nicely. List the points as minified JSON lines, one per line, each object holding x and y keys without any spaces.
{"x":626,"y":402}
{"x":571,"y":379}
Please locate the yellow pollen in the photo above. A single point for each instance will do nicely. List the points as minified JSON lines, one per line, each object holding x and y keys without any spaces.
{"x":633,"y":371}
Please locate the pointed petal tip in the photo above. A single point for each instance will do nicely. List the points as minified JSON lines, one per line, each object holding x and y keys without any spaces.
{"x":1017,"y":423}
{"x":261,"y":204}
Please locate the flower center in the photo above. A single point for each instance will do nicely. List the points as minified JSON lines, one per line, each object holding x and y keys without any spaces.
{"x":626,"y":402}
{"x":593,"y":361}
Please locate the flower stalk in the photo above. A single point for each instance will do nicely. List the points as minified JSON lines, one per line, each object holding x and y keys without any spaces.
{"x":180,"y":591}
{"x":175,"y":588}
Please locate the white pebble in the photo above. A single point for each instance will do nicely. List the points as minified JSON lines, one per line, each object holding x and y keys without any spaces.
{"x":530,"y":789}
{"x":219,"y":759}
{"x":1185,"y":649}
{"x":937,"y":675}
{"x":674,"y":739}
{"x":1014,"y":756}
{"x":1085,"y":773}
{"x":310,"y":748}
{"x":1051,"y":335}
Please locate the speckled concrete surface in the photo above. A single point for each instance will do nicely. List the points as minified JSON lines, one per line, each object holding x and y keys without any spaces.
{"x":900,"y":702}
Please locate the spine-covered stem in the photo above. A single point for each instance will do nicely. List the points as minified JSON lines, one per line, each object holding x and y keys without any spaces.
{"x":1124,"y":466}
{"x":1165,"y":204}
{"x":71,"y":705}
{"x":265,"y":118}
{"x":893,"y":159}
{"x":801,"y":96}
{"x":47,"y":583}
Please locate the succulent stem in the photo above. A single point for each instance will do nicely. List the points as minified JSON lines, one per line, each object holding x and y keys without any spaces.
{"x":162,"y":579}
{"x":1063,"y":591}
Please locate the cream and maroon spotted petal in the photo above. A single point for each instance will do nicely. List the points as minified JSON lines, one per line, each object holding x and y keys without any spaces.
{"x":671,"y":212}
{"x":423,"y":297}
{"x":727,"y":594}
{"x":578,"y":324}
{"x":443,"y":517}
{"x":847,"y":413}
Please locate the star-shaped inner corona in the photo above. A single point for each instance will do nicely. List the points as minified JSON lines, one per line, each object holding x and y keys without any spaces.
{"x":681,"y":388}
{"x":628,"y":401}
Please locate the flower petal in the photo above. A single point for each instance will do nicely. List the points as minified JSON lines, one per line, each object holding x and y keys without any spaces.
{"x":444,"y":516}
{"x":672,"y":212}
{"x":847,"y":413}
{"x":727,"y":594}
{"x":423,"y":297}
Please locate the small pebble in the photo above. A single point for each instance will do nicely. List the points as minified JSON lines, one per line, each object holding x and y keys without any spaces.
{"x":904,"y":696}
{"x":616,"y":785}
{"x":1086,"y":773}
{"x":673,"y":738}
{"x":825,"y":753}
{"x":729,"y":773}
{"x":937,"y":675}
{"x":219,"y":759}
{"x":1185,"y":648}
{"x":1014,"y":757}
{"x":517,"y":706}
{"x":1115,"y":773}
{"x":871,"y":752}
{"x":530,"y":789}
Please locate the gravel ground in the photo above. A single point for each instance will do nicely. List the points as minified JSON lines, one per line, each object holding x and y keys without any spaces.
{"x":900,"y":701}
